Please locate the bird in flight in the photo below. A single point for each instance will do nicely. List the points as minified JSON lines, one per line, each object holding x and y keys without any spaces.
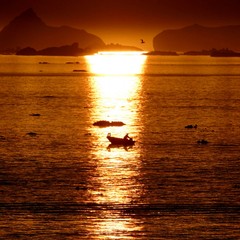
{"x":142,"y":41}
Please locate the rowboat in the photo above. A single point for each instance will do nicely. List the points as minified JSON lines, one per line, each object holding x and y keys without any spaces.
{"x":126,"y":141}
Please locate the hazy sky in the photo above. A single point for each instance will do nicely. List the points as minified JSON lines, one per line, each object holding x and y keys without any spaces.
{"x":126,"y":21}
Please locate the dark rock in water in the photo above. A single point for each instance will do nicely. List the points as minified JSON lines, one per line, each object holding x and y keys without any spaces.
{"x":72,"y":62}
{"x":49,"y":96}
{"x":104,"y":123}
{"x":35,"y":114}
{"x":87,"y":134}
{"x":2,"y":138}
{"x":32,"y":134}
{"x":81,"y":188}
{"x":76,"y":70}
{"x":191,"y":126}
{"x":203,"y":141}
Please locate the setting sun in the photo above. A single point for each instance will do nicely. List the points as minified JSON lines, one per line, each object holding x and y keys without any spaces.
{"x":116,"y":63}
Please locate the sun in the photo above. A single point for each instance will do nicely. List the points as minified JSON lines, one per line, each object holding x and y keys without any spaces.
{"x":116,"y":63}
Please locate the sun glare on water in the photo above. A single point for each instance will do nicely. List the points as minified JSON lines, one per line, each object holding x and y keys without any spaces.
{"x":116,"y":63}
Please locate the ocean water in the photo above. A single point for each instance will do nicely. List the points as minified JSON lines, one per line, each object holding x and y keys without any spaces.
{"x":61,"y":179}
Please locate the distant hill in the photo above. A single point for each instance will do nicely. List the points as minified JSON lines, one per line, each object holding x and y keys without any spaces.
{"x":197,"y":38}
{"x":28,"y":30}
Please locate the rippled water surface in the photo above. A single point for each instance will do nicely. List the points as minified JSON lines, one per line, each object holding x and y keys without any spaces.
{"x":61,"y":179}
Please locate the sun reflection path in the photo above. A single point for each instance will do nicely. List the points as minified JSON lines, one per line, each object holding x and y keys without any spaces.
{"x":115,"y":85}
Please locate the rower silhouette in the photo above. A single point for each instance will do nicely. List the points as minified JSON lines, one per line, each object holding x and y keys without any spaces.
{"x":126,"y":137}
{"x":142,"y":41}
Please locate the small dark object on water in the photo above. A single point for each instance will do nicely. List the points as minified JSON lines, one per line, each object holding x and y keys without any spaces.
{"x":87,"y":134}
{"x":72,"y":62}
{"x":191,"y":126}
{"x":108,"y":124}
{"x":32,"y":134}
{"x":203,"y":141}
{"x":81,"y":188}
{"x":2,"y":138}
{"x":79,"y":70}
{"x":35,"y":114}
{"x":49,"y":96}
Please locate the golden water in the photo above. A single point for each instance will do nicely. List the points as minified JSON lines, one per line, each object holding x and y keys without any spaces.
{"x":65,"y":182}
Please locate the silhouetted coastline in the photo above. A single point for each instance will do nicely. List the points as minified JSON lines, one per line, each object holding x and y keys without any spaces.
{"x":73,"y":50}
{"x":224,"y":52}
{"x":67,"y":50}
{"x":198,"y":53}
{"x":162,"y":53}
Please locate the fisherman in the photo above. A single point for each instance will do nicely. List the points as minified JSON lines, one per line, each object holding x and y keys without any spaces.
{"x":126,"y":137}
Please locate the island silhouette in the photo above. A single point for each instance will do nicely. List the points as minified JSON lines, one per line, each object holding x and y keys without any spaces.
{"x":197,"y":38}
{"x":28,"y":30}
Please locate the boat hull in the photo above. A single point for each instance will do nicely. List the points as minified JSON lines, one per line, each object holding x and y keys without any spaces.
{"x":120,"y":141}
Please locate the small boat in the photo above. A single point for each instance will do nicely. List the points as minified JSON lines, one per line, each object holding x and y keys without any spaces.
{"x":126,"y":141}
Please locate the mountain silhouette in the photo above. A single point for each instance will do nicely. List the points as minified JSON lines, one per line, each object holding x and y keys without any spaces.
{"x":28,"y":30}
{"x":196,"y":37}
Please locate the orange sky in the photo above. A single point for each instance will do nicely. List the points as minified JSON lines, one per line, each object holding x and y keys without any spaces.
{"x":126,"y":21}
